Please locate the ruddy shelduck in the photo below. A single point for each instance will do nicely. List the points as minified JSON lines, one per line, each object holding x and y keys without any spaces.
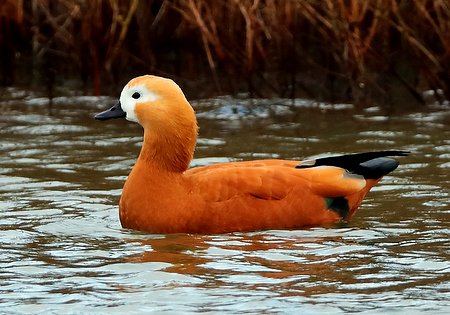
{"x":163,"y":195}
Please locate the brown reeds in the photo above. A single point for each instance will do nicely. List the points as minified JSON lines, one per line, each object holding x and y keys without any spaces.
{"x":380,"y":50}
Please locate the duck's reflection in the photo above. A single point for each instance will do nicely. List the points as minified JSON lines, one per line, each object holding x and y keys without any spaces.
{"x":289,"y":263}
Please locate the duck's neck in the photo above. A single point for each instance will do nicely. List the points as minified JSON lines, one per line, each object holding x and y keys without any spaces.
{"x":171,"y":152}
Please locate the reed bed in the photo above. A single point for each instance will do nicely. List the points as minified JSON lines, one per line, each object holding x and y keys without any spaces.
{"x":386,"y":51}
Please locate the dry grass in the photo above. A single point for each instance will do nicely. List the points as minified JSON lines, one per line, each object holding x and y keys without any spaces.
{"x":385,"y":50}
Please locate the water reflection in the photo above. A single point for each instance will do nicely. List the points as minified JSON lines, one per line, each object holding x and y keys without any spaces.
{"x":62,"y":247}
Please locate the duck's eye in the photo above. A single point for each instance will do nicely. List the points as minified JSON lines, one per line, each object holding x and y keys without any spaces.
{"x":136,"y":95}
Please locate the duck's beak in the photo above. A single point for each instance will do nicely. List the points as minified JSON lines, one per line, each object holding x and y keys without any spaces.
{"x":114,"y":112}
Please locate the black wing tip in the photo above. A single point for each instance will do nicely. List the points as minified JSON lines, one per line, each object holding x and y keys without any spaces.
{"x":377,"y":168}
{"x":371,"y":165}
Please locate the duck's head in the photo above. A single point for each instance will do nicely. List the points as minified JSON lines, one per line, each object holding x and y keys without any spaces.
{"x":158,"y":105}
{"x":150,"y":101}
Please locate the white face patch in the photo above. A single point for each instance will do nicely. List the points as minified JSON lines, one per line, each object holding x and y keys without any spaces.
{"x":130,"y":96}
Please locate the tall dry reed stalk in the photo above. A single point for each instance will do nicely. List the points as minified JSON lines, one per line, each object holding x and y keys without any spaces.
{"x":332,"y":49}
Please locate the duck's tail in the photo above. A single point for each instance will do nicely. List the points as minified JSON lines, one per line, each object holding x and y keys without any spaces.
{"x":371,"y":165}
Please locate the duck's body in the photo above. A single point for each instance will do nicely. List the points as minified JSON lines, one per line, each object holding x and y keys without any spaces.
{"x":239,"y":196}
{"x":162,"y":195}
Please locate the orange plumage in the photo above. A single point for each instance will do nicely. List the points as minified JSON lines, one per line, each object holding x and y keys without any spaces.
{"x":162,"y":195}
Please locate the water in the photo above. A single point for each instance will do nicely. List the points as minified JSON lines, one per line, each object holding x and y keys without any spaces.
{"x":62,"y":249}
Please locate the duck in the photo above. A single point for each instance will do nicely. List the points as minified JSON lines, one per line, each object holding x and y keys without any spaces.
{"x":163,"y":194}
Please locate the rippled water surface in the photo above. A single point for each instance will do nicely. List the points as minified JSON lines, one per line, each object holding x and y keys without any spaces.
{"x":62,"y":249}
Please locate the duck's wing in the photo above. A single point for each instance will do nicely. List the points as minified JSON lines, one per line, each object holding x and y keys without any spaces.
{"x":272,"y":182}
{"x":336,"y":176}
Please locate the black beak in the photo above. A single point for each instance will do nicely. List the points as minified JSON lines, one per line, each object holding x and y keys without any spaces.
{"x":114,"y":112}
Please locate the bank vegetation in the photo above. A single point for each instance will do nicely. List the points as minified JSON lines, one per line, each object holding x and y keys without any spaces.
{"x":386,"y":51}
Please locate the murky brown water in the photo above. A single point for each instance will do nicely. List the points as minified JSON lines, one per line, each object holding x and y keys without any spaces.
{"x":62,"y":249}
